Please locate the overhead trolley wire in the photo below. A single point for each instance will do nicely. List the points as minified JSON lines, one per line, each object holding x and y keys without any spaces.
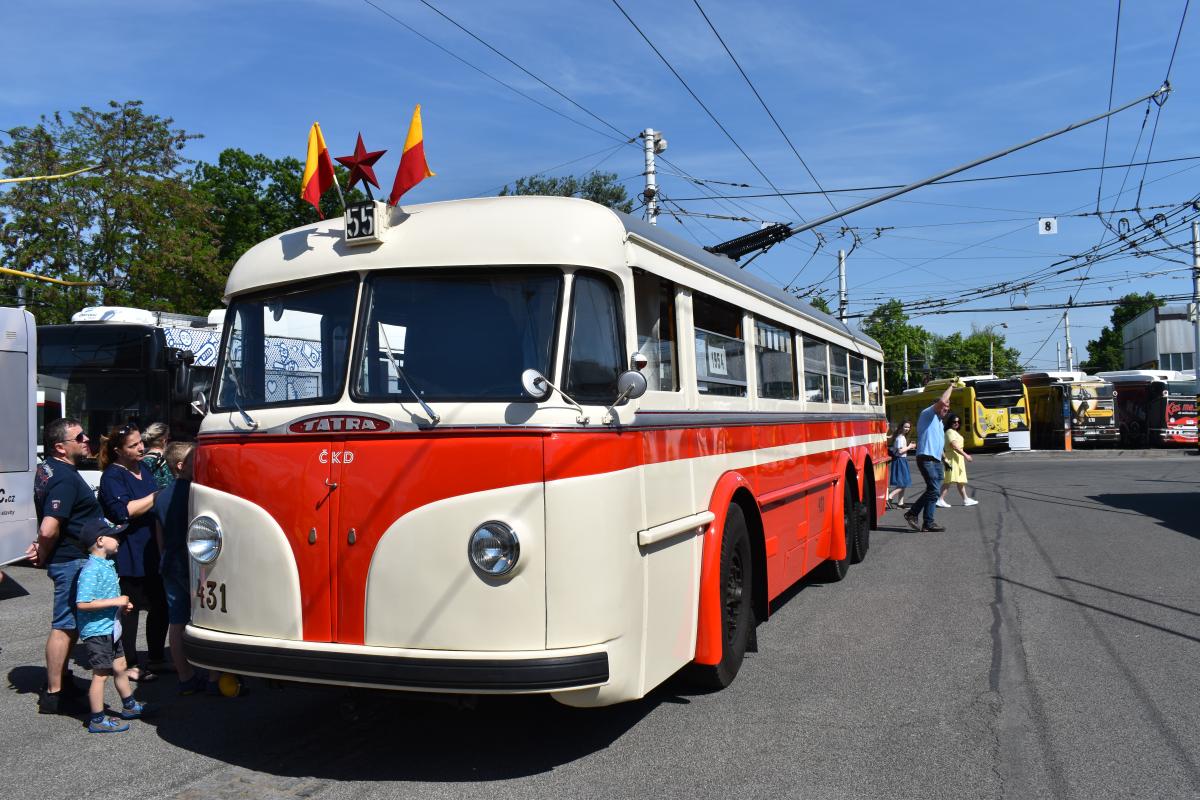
{"x":1112,"y":80}
{"x":710,"y":114}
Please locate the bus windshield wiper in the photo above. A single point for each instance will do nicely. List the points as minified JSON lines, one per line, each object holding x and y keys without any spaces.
{"x":433,"y":416}
{"x":237,"y":394}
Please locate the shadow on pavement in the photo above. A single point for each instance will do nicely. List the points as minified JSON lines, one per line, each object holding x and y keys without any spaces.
{"x":1174,"y":510}
{"x":10,"y":588}
{"x":361,"y":735}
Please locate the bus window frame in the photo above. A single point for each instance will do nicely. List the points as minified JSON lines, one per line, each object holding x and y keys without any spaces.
{"x":567,"y":308}
{"x":776,"y":403}
{"x":325,"y":281}
{"x":718,"y":402}
{"x":827,"y":403}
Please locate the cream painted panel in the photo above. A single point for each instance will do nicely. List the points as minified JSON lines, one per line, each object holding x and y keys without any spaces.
{"x":256,"y":566}
{"x":668,"y":492}
{"x":671,"y":584}
{"x":422,"y":591}
{"x":593,"y":567}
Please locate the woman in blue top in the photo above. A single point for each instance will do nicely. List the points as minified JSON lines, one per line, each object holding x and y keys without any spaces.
{"x":127,"y":491}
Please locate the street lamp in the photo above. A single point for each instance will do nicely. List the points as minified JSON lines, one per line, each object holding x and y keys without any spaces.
{"x":991,"y":331}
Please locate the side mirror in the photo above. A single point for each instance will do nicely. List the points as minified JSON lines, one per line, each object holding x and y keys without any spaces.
{"x":630,"y":386}
{"x":200,"y":404}
{"x":535,"y":385}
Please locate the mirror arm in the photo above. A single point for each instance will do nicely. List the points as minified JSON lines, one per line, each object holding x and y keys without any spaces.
{"x":580,"y":418}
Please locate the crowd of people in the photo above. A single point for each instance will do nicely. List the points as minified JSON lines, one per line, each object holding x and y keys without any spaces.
{"x":113,"y":555}
{"x":941,"y":460}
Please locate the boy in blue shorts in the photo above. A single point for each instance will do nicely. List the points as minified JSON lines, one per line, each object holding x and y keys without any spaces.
{"x":99,"y":606}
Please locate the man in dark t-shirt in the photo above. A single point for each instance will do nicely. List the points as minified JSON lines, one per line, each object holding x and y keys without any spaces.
{"x":64,"y":503}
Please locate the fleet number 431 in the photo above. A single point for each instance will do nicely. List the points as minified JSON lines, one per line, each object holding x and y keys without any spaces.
{"x":212,"y":596}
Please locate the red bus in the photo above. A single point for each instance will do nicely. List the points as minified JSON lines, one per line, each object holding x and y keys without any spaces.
{"x":525,"y":444}
{"x":1154,"y":408}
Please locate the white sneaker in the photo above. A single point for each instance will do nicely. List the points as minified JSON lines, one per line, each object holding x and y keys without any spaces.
{"x":970,"y":501}
{"x":942,"y":504}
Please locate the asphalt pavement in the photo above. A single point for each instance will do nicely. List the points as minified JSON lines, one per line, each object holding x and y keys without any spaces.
{"x":1044,"y":646}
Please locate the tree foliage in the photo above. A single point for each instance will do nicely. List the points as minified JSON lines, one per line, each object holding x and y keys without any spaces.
{"x":133,"y":225}
{"x":599,"y":187}
{"x":932,"y":356}
{"x":250,"y":198}
{"x":1106,"y":352}
{"x":818,"y":302}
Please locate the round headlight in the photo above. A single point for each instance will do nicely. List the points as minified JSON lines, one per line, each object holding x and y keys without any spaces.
{"x":494,"y":548}
{"x":204,"y":539}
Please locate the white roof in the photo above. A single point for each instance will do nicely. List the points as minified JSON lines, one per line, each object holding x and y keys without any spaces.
{"x":511,"y":231}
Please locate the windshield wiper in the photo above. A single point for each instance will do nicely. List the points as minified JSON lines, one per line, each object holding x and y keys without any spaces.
{"x":237,"y":394}
{"x":433,"y":416}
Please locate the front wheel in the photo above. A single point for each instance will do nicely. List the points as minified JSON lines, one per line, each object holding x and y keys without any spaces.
{"x":737,"y":612}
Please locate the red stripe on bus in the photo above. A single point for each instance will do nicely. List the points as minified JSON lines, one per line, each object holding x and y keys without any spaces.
{"x":390,"y":475}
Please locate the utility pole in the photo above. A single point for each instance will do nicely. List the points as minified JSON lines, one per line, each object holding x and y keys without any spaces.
{"x":1070,"y":351}
{"x":1058,"y":354}
{"x":906,"y":365}
{"x":653,"y":143}
{"x":843,"y":303}
{"x":1196,"y":299}
{"x":991,"y":355}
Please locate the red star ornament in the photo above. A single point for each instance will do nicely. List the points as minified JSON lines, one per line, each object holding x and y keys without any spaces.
{"x":360,"y":164}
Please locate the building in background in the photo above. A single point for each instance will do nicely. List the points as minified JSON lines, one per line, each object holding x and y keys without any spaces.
{"x":1160,"y":338}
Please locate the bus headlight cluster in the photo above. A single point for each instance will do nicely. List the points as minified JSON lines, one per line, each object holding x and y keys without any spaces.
{"x":494,"y":549}
{"x":204,"y":539}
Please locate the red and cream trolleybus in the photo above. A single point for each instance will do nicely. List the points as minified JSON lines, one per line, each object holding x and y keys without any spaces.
{"x":518,"y":445}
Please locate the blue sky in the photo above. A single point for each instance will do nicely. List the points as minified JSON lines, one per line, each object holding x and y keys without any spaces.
{"x":869,"y":93}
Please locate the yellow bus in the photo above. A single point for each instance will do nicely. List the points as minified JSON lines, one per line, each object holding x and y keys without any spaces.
{"x":994,"y":411}
{"x":1069,"y":403}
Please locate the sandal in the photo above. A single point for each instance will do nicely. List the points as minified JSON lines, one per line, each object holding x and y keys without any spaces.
{"x":142,"y":675}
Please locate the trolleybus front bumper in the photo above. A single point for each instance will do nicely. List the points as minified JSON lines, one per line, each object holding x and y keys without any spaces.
{"x":397,"y":668}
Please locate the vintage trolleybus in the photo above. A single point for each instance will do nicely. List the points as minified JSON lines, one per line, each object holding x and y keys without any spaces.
{"x":519,"y":445}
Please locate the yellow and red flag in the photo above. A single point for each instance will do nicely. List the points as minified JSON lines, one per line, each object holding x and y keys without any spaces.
{"x":413,"y":167}
{"x":318,"y":169}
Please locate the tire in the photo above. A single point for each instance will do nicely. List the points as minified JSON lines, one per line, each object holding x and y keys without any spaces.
{"x":861,"y":517}
{"x":833,"y":570}
{"x":737,"y":604}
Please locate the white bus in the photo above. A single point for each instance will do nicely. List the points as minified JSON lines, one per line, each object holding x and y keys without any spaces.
{"x":541,"y":447}
{"x":18,"y":434}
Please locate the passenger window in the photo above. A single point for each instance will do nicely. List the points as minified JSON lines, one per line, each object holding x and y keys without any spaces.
{"x":858,"y":380}
{"x":875,"y":384}
{"x":816,"y":370}
{"x":839,"y":374}
{"x":654,"y":301}
{"x":596,"y":352}
{"x":720,"y":349}
{"x":776,"y":361}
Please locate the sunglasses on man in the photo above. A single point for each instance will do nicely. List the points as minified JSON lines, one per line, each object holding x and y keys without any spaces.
{"x":80,"y":438}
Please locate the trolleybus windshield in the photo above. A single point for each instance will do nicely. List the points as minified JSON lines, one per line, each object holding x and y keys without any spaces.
{"x":458,"y":336}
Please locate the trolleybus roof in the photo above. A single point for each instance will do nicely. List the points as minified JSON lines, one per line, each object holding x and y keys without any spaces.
{"x":516,"y":230}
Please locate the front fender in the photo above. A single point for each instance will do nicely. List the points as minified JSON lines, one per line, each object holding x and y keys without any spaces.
{"x":708,"y":623}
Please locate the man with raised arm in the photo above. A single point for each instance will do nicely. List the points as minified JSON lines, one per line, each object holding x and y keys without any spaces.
{"x":931,"y":440}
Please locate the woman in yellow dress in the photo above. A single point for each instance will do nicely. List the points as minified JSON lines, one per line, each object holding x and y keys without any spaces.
{"x":956,"y":462}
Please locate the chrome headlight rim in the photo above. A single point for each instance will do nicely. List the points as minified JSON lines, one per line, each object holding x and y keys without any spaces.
{"x":503,"y":534}
{"x":204,"y":539}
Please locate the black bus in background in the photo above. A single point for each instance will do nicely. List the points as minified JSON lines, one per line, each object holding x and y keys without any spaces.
{"x":112,"y":365}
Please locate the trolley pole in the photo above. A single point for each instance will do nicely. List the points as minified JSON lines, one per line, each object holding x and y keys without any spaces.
{"x":843,"y":302}
{"x":1196,"y":299}
{"x":652,"y":143}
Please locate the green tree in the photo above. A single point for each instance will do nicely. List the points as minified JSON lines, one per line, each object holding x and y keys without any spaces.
{"x":599,"y":187}
{"x":957,"y":354}
{"x":818,"y":302}
{"x":889,"y":325}
{"x":133,"y":225}
{"x":250,"y":198}
{"x":1106,"y":351}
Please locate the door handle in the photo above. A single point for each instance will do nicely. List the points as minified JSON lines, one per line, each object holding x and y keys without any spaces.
{"x":331,"y":484}
{"x":312,"y":535}
{"x":352,"y":537}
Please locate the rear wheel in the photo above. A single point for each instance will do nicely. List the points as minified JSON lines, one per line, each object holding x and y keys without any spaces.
{"x":833,"y":570}
{"x":737,"y":611}
{"x":861,"y":517}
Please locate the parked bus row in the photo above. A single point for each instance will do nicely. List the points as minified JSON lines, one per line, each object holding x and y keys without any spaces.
{"x":1132,"y":408}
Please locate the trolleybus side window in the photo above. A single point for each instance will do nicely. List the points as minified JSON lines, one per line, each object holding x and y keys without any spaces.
{"x":858,"y":379}
{"x":654,"y":301}
{"x":596,"y":340}
{"x":776,"y":361}
{"x":720,"y":348}
{"x":287,"y":347}
{"x":816,"y":370}
{"x":875,"y":383}
{"x":839,"y":377}
{"x":463,"y":335}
